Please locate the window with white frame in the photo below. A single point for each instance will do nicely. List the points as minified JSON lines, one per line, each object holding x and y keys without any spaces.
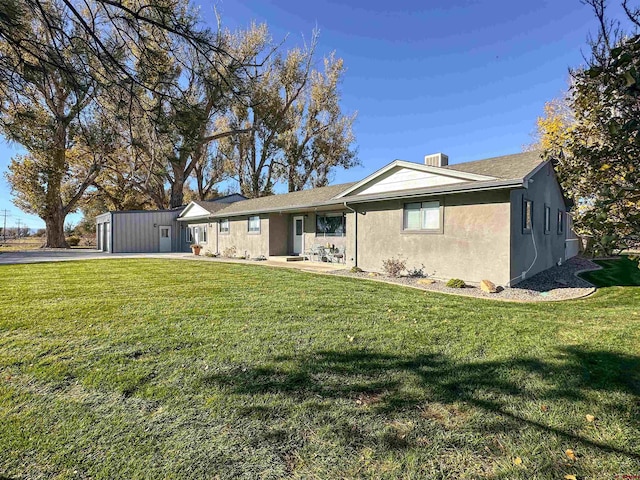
{"x":422,"y":216}
{"x":196,"y":234}
{"x":547,"y":219}
{"x":204,"y":234}
{"x":527,"y":215}
{"x":188,"y":235}
{"x":560,"y":222}
{"x":224,"y":225}
{"x":254,"y":224}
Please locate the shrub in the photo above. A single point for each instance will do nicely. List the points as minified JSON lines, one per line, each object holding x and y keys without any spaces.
{"x":456,"y":283}
{"x":416,"y":272}
{"x":394,"y":266}
{"x":356,"y":270}
{"x":229,"y":252}
{"x":73,"y":241}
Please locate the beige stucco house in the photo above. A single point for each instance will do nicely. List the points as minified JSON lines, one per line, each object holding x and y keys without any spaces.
{"x":502,"y":218}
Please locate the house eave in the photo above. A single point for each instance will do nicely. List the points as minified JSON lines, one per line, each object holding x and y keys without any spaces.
{"x":194,"y":219}
{"x":442,"y":190}
{"x":421,"y":192}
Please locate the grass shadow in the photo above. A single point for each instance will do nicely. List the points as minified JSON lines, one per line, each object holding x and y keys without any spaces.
{"x":379,"y":382}
{"x":618,"y":272}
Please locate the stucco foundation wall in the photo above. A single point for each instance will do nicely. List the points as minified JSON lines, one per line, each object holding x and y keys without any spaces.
{"x":254,"y":244}
{"x":544,"y":190}
{"x":474,"y":243}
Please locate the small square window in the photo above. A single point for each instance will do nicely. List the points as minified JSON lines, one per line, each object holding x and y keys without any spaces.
{"x":254,"y":224}
{"x":423,"y":216}
{"x":527,"y":215}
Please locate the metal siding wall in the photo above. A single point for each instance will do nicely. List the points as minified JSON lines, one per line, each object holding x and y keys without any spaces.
{"x":135,"y":231}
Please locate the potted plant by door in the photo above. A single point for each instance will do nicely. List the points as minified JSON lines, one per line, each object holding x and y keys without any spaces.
{"x":195,"y":248}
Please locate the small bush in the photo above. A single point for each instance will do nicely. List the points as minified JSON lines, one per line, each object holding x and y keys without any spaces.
{"x":394,"y":266}
{"x":73,"y":241}
{"x":209,"y":254}
{"x":416,"y":272}
{"x":456,"y":283}
{"x":229,"y":252}
{"x":356,"y":270}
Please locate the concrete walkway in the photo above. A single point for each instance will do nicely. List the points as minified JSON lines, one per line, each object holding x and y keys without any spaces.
{"x":75,"y":254}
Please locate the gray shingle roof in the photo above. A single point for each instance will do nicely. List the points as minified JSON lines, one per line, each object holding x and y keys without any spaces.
{"x":507,"y":167}
{"x":518,"y":165}
{"x":210,"y":206}
{"x":284,"y":201}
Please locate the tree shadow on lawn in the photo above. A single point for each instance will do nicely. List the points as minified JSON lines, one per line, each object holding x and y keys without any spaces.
{"x":616,"y":272}
{"x":390,"y":384}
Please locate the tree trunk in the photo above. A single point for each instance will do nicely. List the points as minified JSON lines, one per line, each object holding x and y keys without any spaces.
{"x":54,"y":222}
{"x":54,"y":210}
{"x":177,"y":189}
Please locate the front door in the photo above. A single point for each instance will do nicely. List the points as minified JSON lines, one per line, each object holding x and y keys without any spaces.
{"x":165,"y":239}
{"x":298,"y":235}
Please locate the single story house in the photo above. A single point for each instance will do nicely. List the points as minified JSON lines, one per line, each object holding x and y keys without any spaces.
{"x":503,"y":219}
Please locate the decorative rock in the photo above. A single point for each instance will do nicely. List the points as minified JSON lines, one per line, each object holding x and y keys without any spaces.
{"x":374,"y":274}
{"x":488,"y":286}
{"x":426,"y":281}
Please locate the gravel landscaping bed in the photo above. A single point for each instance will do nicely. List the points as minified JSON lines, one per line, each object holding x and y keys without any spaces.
{"x":557,"y":283}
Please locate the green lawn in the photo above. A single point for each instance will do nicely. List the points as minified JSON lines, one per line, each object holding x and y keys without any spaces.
{"x":177,"y":369}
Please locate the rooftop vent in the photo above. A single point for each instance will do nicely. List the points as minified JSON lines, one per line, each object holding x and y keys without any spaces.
{"x":436,"y":160}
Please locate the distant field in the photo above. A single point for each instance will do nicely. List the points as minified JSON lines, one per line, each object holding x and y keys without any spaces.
{"x":28,"y":243}
{"x":172,"y":369}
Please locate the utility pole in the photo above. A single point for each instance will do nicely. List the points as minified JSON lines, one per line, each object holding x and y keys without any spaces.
{"x":18,"y":229}
{"x":4,"y":228}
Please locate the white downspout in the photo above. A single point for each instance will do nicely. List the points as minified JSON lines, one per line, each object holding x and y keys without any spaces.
{"x":355,"y":249}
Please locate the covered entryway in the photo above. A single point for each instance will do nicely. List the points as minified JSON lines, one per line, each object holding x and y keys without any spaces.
{"x":298,"y":235}
{"x":165,"y":238}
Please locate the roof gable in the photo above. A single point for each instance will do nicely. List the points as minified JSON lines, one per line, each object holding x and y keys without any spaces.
{"x":400,"y":175}
{"x":193,"y":210}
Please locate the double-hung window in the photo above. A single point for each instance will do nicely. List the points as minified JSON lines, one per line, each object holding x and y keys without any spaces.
{"x":254,"y":224}
{"x":422,"y":217}
{"x":224,"y":225}
{"x":188,"y":235}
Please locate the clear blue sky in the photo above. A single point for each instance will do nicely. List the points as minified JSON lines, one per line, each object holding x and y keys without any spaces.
{"x":467,"y":79}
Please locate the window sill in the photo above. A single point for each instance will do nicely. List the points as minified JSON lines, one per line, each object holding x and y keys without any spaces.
{"x":423,"y":232}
